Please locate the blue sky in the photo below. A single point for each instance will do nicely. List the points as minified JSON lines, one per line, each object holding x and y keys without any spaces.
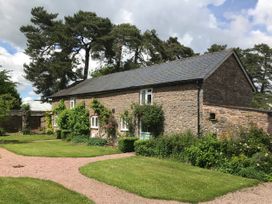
{"x":197,"y":24}
{"x":232,"y":6}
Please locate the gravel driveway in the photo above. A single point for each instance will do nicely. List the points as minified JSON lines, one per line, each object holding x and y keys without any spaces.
{"x":65,"y":171}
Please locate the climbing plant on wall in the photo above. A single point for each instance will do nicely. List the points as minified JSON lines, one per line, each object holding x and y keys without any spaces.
{"x":106,"y":118}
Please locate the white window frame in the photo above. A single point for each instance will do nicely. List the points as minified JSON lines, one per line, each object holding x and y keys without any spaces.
{"x":144,"y":135}
{"x":55,"y":117}
{"x":147,"y":93}
{"x":72,"y":102}
{"x":94,"y":122}
{"x":123,"y":125}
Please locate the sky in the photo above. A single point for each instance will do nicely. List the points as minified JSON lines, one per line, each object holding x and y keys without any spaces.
{"x":197,"y":24}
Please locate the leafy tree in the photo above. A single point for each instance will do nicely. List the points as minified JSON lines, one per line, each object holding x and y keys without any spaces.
{"x":86,"y":31}
{"x":55,"y":48}
{"x":26,"y":119}
{"x":124,"y":48}
{"x":258,"y":62}
{"x":174,"y":50}
{"x":154,"y":47}
{"x":51,"y":67}
{"x":8,"y":91}
{"x":216,"y":48}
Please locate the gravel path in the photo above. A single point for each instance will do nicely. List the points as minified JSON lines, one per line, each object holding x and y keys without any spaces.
{"x":65,"y":171}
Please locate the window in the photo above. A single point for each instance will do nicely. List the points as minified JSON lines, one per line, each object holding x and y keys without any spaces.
{"x":94,"y":122}
{"x":55,"y":117}
{"x":72,"y":102}
{"x":124,"y":125}
{"x":146,"y":97}
{"x":212,"y":117}
{"x":144,"y":133}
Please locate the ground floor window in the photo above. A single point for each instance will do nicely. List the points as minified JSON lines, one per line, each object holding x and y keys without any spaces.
{"x":55,"y":118}
{"x":94,"y":122}
{"x":123,"y":125}
{"x":144,"y":132}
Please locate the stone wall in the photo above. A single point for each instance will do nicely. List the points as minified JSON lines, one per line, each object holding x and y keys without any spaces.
{"x":230,"y":119}
{"x":179,"y":104}
{"x":228,"y":86}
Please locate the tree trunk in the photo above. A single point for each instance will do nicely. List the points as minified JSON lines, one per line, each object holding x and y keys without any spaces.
{"x":87,"y":62}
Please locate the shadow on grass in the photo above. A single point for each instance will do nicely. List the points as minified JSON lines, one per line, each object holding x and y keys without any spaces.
{"x":13,"y":142}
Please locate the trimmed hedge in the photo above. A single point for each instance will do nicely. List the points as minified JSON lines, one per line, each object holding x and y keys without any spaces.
{"x":96,"y":141}
{"x":2,"y":132}
{"x":126,"y":144}
{"x":65,"y":133}
{"x":58,"y":134}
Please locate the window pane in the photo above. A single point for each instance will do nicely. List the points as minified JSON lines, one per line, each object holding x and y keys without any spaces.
{"x":143,"y":97}
{"x":96,"y":124}
{"x":149,"y":99}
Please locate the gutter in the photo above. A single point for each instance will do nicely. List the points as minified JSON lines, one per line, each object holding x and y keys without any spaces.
{"x":199,"y":88}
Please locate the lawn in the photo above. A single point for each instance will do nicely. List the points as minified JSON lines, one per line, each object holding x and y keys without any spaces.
{"x":165,"y":179}
{"x":24,"y":138}
{"x":32,"y":191}
{"x":39,"y":146}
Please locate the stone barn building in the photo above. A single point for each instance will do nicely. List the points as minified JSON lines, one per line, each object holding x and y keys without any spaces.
{"x":206,"y":93}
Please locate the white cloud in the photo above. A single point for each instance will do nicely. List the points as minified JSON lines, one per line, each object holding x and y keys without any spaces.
{"x":183,"y":17}
{"x":186,"y":39}
{"x":14,"y":63}
{"x":37,"y":105}
{"x":262,"y":14}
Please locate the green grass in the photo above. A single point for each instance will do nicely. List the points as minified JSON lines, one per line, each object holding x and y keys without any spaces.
{"x":36,"y":146}
{"x":24,"y":138}
{"x":165,"y":179}
{"x":33,"y":191}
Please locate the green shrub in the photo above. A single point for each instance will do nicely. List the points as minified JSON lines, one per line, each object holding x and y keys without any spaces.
{"x":205,"y":153}
{"x":256,"y":140}
{"x":58,"y":134}
{"x":126,"y":144}
{"x":145,"y":147}
{"x":262,"y":161}
{"x":173,"y":145}
{"x":96,"y":141}
{"x":78,"y":120}
{"x":65,"y":133}
{"x":49,"y":131}
{"x":235,"y":164}
{"x":63,"y":119}
{"x":80,"y":139}
{"x":2,"y":131}
{"x":251,"y":172}
{"x":26,"y":131}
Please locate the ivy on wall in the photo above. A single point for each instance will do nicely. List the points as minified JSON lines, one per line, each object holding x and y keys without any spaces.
{"x":150,"y":116}
{"x":106,"y":118}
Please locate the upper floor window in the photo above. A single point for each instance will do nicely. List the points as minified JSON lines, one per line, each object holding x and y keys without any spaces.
{"x":72,"y":102}
{"x":146,"y":96}
{"x":94,"y":122}
{"x":124,"y":125}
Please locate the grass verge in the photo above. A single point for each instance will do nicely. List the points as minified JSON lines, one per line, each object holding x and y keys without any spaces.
{"x":32,"y":191}
{"x":165,"y":179}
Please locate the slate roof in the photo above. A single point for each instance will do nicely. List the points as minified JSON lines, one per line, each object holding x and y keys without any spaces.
{"x":188,"y":69}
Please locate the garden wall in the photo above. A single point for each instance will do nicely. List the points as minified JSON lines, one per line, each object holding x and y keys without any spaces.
{"x":227,"y":119}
